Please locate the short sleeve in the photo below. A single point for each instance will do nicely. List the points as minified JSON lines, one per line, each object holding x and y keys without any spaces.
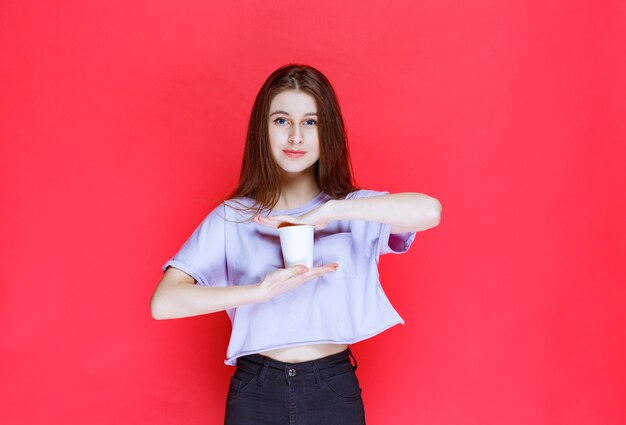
{"x":380,"y":234}
{"x":203,"y":255}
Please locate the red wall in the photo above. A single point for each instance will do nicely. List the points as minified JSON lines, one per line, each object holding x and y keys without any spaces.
{"x":122,"y":121}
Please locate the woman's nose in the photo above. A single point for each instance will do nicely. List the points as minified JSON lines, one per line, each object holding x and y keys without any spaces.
{"x":295,"y":136}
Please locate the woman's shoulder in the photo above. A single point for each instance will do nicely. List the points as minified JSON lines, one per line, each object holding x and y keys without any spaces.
{"x":238,"y":202}
{"x":228,"y":210}
{"x":239,"y":208}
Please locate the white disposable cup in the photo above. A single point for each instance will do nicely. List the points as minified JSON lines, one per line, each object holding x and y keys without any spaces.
{"x":296,"y":243}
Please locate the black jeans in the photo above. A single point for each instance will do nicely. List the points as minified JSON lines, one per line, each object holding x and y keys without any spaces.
{"x":325,"y":391}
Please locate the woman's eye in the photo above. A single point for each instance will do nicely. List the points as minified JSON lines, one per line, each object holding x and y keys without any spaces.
{"x":280,"y":121}
{"x":310,"y":122}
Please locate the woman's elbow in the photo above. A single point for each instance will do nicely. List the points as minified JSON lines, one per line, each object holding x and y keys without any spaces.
{"x":158,"y":308}
{"x":436,"y":212}
{"x":431,"y":215}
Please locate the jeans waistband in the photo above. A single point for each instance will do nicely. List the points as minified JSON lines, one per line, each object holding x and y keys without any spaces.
{"x":268,"y":368}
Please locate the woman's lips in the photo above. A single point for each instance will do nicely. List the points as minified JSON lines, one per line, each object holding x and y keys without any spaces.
{"x":293,"y":154}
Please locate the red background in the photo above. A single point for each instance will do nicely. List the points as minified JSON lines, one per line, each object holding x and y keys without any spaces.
{"x":123,"y":121}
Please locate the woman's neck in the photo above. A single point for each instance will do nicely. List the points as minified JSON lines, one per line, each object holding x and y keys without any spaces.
{"x":296,"y":193}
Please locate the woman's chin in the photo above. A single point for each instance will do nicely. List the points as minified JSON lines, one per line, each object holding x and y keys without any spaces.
{"x":295,"y":171}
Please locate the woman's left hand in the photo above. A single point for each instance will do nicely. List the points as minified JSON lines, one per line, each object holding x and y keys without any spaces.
{"x":317,"y":217}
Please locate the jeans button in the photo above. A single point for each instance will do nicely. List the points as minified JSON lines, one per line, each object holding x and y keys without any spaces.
{"x":292,"y":372}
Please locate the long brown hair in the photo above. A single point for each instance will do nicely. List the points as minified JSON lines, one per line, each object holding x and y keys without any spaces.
{"x":259,"y":176}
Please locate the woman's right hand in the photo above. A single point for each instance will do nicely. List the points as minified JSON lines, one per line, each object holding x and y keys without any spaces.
{"x":282,"y":280}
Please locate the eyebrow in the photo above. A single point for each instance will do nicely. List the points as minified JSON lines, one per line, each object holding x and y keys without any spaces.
{"x":287,"y":113}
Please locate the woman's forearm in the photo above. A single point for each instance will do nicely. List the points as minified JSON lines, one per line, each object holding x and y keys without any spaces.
{"x":173,"y":300}
{"x":178,"y":296}
{"x":408,"y":211}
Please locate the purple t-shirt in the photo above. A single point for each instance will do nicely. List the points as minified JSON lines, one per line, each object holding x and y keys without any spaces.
{"x":340,"y":307}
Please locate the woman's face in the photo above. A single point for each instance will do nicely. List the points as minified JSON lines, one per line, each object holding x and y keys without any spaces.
{"x":293,"y":128}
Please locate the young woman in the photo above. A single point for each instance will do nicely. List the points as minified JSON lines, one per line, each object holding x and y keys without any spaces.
{"x":292,"y":327}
